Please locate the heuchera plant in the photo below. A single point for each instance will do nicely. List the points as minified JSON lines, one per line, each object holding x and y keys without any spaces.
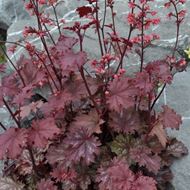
{"x":95,"y":125}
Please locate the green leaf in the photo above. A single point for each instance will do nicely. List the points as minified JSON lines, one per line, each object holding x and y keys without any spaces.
{"x":120,"y":145}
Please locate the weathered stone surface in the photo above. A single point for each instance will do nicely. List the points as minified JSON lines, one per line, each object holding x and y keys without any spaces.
{"x":11,"y":11}
{"x":178,"y":94}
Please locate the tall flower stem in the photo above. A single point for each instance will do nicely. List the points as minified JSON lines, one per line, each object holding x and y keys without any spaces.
{"x":98,"y":29}
{"x":142,"y":40}
{"x":174,"y":49}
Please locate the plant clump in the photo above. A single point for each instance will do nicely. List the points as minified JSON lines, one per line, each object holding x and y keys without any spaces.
{"x":95,"y":126}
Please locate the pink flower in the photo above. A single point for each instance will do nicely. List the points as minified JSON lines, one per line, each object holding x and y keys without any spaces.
{"x":182,"y":1}
{"x":167,"y":5}
{"x":131,"y":19}
{"x":42,"y":2}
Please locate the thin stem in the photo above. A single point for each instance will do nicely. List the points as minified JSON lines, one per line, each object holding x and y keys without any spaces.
{"x":51,"y":61}
{"x":33,"y":161}
{"x":57,"y":20}
{"x":17,"y":70}
{"x":49,"y":34}
{"x":15,"y":43}
{"x":174,"y":50}
{"x":49,"y":74}
{"x":158,"y":96}
{"x":103,"y":24}
{"x":11,"y":113}
{"x":81,"y":70}
{"x":80,"y":40}
{"x":114,"y":30}
{"x":142,"y":40}
{"x":45,"y":45}
{"x":3,"y":127}
{"x":98,"y":29}
{"x":177,"y":29}
{"x":88,"y":90}
{"x":125,"y":48}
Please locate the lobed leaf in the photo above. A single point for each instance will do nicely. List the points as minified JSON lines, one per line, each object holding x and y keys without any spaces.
{"x":169,"y":118}
{"x":42,"y":131}
{"x":159,"y":131}
{"x":90,"y":121}
{"x":122,"y":94}
{"x":177,"y":149}
{"x":81,"y":145}
{"x":143,"y":156}
{"x":127,"y":121}
{"x":12,"y":142}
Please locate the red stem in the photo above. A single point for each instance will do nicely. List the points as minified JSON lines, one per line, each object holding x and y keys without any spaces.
{"x":3,"y":127}
{"x":11,"y":113}
{"x":81,"y":70}
{"x":56,"y":18}
{"x":17,"y":70}
{"x":98,"y":29}
{"x":114,"y":30}
{"x":142,"y":40}
{"x":44,"y":43}
{"x":174,"y":50}
{"x":103,"y":25}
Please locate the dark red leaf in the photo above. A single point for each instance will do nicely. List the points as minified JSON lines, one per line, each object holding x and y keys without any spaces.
{"x":42,"y":131}
{"x":159,"y":71}
{"x":81,"y":144}
{"x":77,"y":89}
{"x":64,"y":44}
{"x":24,"y":95}
{"x":84,"y":11}
{"x":90,"y":121}
{"x":62,"y":174}
{"x":10,"y":85}
{"x":143,"y":156}
{"x":116,"y":176}
{"x":31,"y":73}
{"x":177,"y":149}
{"x":30,"y":108}
{"x":163,"y":177}
{"x":56,"y":154}
{"x":122,"y":94}
{"x":2,"y":68}
{"x":119,"y":176}
{"x":56,"y":103}
{"x":127,"y":121}
{"x":143,"y":83}
{"x":144,"y":182}
{"x":169,"y":118}
{"x":72,"y":62}
{"x":12,"y":142}
{"x":160,"y":133}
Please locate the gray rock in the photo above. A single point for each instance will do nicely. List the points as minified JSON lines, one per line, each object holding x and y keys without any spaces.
{"x":178,"y":94}
{"x":11,"y":11}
